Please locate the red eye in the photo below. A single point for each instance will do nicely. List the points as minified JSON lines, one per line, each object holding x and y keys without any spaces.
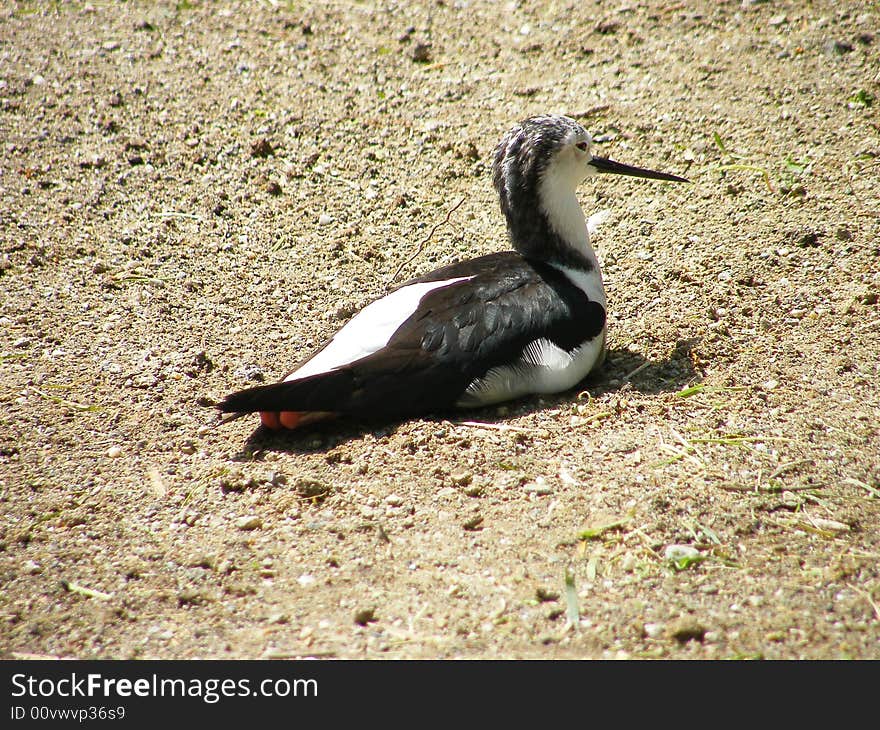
{"x":582,"y":146}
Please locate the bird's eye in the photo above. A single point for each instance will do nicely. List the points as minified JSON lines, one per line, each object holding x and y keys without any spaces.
{"x":582,"y":146}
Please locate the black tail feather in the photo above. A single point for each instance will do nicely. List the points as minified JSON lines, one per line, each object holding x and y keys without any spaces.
{"x":332,"y":392}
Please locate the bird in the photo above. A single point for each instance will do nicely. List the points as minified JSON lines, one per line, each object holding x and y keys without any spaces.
{"x":482,"y":331}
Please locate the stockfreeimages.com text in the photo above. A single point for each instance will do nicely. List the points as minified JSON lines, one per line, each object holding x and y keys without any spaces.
{"x":209,"y":690}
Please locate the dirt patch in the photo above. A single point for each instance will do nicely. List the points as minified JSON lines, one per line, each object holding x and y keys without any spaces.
{"x":195,"y":195}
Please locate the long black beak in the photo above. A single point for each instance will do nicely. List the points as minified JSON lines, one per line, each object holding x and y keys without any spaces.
{"x":603,"y":164}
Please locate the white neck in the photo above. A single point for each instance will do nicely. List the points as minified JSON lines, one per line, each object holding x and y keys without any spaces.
{"x":564,"y":213}
{"x":558,"y":200}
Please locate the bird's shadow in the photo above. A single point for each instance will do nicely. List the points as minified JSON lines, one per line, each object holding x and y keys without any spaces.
{"x":622,"y":370}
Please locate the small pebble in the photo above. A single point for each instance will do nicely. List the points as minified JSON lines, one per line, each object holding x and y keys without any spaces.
{"x":821,"y":523}
{"x":325,"y":219}
{"x":275,"y":478}
{"x":474,"y":524}
{"x":365,"y":616}
{"x":190,"y":597}
{"x":545,"y":595}
{"x":837,"y":48}
{"x":262,"y":148}
{"x":310,"y":488}
{"x":686,"y":629}
{"x":538,"y":487}
{"x":114,"y":451}
{"x":676,"y":553}
{"x":251,"y":522}
{"x":421,"y":52}
{"x":250,"y":372}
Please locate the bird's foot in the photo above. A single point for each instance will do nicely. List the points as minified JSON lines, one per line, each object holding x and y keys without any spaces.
{"x":276,"y":420}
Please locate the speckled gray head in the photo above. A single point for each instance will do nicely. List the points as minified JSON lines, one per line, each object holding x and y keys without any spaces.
{"x":552,"y":144}
{"x":525,"y":153}
{"x":536,"y":170}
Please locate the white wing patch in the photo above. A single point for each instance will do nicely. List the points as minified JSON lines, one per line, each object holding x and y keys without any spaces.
{"x":542,"y":368}
{"x":370,"y":329}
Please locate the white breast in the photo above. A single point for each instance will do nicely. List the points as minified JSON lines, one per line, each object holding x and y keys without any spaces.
{"x":370,"y":329}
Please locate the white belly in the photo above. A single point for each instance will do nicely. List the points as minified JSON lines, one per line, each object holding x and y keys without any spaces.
{"x":542,"y":368}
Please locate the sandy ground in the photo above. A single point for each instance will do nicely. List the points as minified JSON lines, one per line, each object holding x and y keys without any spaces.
{"x":194,"y":195}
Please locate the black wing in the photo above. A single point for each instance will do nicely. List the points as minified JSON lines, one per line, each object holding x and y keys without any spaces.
{"x":457,"y":334}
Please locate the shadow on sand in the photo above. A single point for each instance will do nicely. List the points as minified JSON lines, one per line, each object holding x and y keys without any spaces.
{"x":622,"y":369}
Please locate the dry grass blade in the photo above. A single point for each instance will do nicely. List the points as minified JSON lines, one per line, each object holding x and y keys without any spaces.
{"x":789,"y":466}
{"x":499,"y":427}
{"x":739,"y":440}
{"x":572,"y":613}
{"x":83,"y":591}
{"x":748,"y":168}
{"x":867,"y":487}
{"x":869,"y":598}
{"x":592,"y":418}
{"x":770,"y":488}
{"x":175,"y":214}
{"x":829,"y":529}
{"x":68,"y":403}
{"x":703,"y":388}
{"x":591,"y":533}
{"x":687,"y":451}
{"x":156,"y":281}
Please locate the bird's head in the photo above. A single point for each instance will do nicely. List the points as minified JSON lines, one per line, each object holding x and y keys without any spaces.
{"x":552,"y":149}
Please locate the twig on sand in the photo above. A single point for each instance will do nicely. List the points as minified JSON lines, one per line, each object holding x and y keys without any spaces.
{"x":426,"y":239}
{"x":497,"y":426}
{"x":631,"y":375}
